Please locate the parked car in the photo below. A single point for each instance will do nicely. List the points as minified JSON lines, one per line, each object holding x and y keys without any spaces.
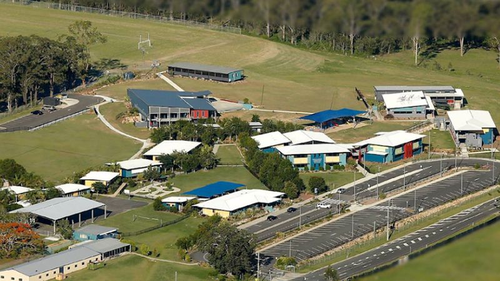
{"x":37,"y":112}
{"x":291,"y":210}
{"x":323,"y":205}
{"x":341,"y":190}
{"x":271,"y":218}
{"x":49,"y":108}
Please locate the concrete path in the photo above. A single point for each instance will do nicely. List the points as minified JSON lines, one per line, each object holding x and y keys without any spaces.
{"x":281,"y":111}
{"x":161,"y":260}
{"x":170,"y":82}
{"x":159,"y":192}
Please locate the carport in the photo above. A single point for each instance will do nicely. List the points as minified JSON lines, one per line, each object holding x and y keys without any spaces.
{"x":63,"y":208}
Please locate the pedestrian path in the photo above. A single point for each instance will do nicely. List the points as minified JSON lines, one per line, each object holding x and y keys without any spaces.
{"x":170,"y":82}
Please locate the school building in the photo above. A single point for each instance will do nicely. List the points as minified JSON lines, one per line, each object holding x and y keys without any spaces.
{"x":472,"y":128}
{"x":168,"y":147}
{"x":389,"y":147}
{"x":207,"y":72}
{"x":315,"y":156}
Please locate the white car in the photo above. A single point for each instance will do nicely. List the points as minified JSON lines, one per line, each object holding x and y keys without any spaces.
{"x":323,"y":205}
{"x":340,"y":190}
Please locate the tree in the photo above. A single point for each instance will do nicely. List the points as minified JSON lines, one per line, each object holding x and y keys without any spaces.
{"x":18,"y":240}
{"x":52,"y":193}
{"x":144,"y":249}
{"x":151,"y":174}
{"x":86,"y":35}
{"x":331,"y":274}
{"x":231,"y":250}
{"x":291,"y":190}
{"x":10,"y":169}
{"x":317,"y":183}
{"x":167,"y":162}
{"x":255,"y":118}
{"x":99,"y":187}
{"x":184,"y":243}
{"x":64,"y":229}
{"x":158,"y":205}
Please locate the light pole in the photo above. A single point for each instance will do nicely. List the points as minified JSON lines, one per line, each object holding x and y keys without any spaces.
{"x":352,"y":227}
{"x":388,"y":214}
{"x":429,"y":145}
{"x":441,"y":166}
{"x":404,"y":177}
{"x":415,"y":201}
{"x":456,"y":167}
{"x":461,"y":184}
{"x":258,"y":266}
{"x":378,"y":196}
{"x":300,"y":216}
{"x":354,"y":176}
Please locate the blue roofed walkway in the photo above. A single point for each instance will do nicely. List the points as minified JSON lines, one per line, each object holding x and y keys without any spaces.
{"x":214,"y":189}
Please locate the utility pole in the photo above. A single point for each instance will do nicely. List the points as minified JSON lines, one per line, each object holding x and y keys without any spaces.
{"x":290,"y":251}
{"x":378,"y":195}
{"x":441,"y":166}
{"x":374,"y":228}
{"x":354,"y":174}
{"x":262,"y":96}
{"x":258,"y":266}
{"x":456,"y":166}
{"x":176,"y":276}
{"x":388,"y":207}
{"x":300,"y":216}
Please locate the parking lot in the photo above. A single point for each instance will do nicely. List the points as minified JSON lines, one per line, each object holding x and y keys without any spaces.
{"x":31,"y":121}
{"x":116,"y":205}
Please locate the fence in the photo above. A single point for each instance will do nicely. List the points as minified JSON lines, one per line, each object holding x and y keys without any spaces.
{"x":142,"y":231}
{"x":76,"y":8}
{"x":419,"y":126}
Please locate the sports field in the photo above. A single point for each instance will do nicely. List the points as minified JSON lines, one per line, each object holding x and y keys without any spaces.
{"x":293,"y":79}
{"x":134,"y":268}
{"x":58,"y":151}
{"x":474,"y":257}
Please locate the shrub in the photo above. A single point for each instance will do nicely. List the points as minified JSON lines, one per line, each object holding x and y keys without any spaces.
{"x":187,"y":258}
{"x":145,"y":250}
{"x":158,"y":205}
{"x":283,"y":262}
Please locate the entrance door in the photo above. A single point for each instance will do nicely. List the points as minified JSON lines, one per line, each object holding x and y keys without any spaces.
{"x":408,"y":150}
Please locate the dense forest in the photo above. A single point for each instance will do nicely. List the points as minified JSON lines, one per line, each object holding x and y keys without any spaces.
{"x":368,"y":27}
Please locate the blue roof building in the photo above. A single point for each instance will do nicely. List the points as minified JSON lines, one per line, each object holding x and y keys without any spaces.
{"x":215,"y":189}
{"x":158,"y":107}
{"x":330,"y":118}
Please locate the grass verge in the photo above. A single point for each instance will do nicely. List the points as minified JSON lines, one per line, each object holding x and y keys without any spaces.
{"x":229,"y":155}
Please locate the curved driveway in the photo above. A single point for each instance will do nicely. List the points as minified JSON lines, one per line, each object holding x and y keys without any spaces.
{"x":31,"y":121}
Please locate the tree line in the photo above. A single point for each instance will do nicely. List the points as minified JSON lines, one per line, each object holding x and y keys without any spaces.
{"x":370,"y":27}
{"x":32,"y":65}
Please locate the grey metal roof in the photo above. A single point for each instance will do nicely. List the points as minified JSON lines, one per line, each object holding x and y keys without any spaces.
{"x":202,"y":104}
{"x":53,"y":262}
{"x":204,"y":67}
{"x":414,"y":88}
{"x":59,"y":208}
{"x":96,"y":229}
{"x":103,"y":245}
{"x":173,"y":98}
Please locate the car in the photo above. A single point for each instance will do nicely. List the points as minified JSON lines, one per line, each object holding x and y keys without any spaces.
{"x":291,"y":210}
{"x":324,"y":205}
{"x":341,"y":190}
{"x":37,"y":112}
{"x":421,"y":209}
{"x":48,"y":108}
{"x":271,"y":218}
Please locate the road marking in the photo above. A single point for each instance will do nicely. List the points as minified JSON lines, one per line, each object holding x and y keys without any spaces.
{"x":433,"y":232}
{"x":413,"y":242}
{"x":383,"y":253}
{"x":390,"y":250}
{"x":398,"y":247}
{"x":427,"y":235}
{"x":406,"y":244}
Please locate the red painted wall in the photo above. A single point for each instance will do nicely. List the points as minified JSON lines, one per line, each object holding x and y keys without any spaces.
{"x":408,"y":150}
{"x":199,"y":114}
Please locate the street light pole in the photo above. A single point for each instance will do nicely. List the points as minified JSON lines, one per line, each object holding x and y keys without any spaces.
{"x":441,"y":166}
{"x":352,"y":227}
{"x":404,"y":177}
{"x":300,"y":217}
{"x":462,"y":184}
{"x":354,"y":175}
{"x":429,"y":145}
{"x":415,"y":201}
{"x":388,"y":214}
{"x":378,"y":196}
{"x":258,"y":266}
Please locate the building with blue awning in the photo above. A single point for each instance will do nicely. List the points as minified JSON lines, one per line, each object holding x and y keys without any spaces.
{"x":331,"y":118}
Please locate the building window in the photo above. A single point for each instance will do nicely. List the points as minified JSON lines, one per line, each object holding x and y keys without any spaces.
{"x":40,"y":277}
{"x":83,"y":263}
{"x":69,"y":268}
{"x":54,"y":272}
{"x":76,"y":265}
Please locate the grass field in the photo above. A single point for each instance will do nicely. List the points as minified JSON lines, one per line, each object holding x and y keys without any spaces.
{"x":474,"y":257}
{"x":292,"y":78}
{"x":134,"y":268}
{"x":124,"y":221}
{"x":365,"y":132}
{"x":332,"y":179}
{"x":58,"y":151}
{"x":111,"y":110}
{"x":229,"y":155}
{"x":440,"y":140}
{"x":163,"y":239}
{"x":187,"y":182}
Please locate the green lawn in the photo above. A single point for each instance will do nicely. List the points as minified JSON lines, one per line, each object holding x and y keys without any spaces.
{"x":333,"y":179}
{"x":365,"y":132}
{"x":474,"y":257}
{"x":111,"y":110}
{"x":124,"y":221}
{"x":229,"y":155}
{"x":163,"y":239}
{"x":134,"y":268}
{"x":58,"y":151}
{"x":440,"y":140}
{"x":187,"y":182}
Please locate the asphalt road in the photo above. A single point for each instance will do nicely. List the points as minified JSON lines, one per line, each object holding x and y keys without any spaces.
{"x":32,"y":121}
{"x":341,"y":231}
{"x":410,"y":243}
{"x":386,"y":182}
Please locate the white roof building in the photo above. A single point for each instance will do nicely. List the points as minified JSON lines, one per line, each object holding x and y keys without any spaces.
{"x":312,"y":149}
{"x":391,"y":139}
{"x":407,"y":99}
{"x":17,"y":190}
{"x":72,"y":188}
{"x":271,"y":139}
{"x":471,"y":120}
{"x":302,"y":137}
{"x":241,"y":199}
{"x":100,"y":176}
{"x":177,"y":199}
{"x":137,"y":164}
{"x":170,"y":146}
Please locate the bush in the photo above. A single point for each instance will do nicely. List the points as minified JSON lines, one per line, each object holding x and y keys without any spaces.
{"x":317,"y":183}
{"x":283,"y":262}
{"x":145,"y":250}
{"x":158,"y":205}
{"x":187,"y":258}
{"x":182,"y":254}
{"x":477,"y":166}
{"x":389,"y":117}
{"x":338,"y":167}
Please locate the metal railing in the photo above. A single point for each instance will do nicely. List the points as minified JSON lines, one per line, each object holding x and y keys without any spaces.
{"x":77,"y":8}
